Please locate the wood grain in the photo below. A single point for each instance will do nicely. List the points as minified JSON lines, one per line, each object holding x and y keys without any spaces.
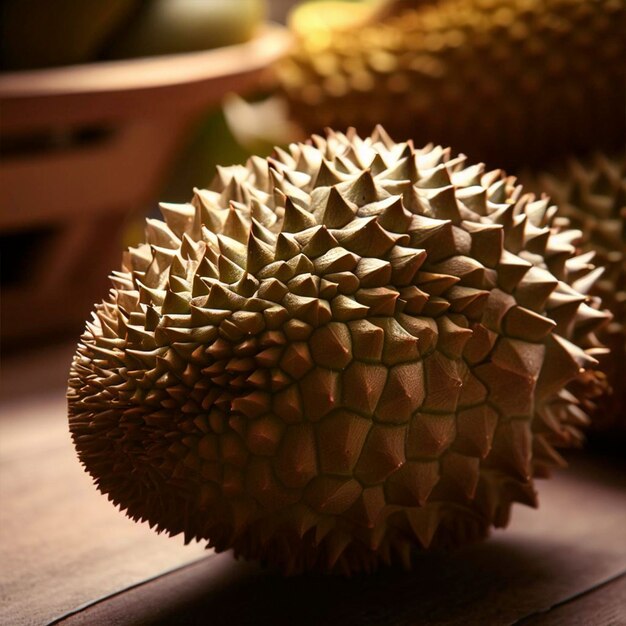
{"x":62,"y":545}
{"x":602,"y":606}
{"x":573,"y":543}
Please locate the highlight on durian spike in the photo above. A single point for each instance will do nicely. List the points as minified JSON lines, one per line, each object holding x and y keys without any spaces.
{"x":591,"y":196}
{"x":336,"y":355}
{"x":500,"y":80}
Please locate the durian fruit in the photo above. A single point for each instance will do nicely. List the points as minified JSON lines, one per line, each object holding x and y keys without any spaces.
{"x":324,"y":18}
{"x":511,"y":82}
{"x":390,"y":8}
{"x":591,"y":196}
{"x":336,"y":354}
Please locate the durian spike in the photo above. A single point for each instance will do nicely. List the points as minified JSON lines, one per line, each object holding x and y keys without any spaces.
{"x":591,"y":196}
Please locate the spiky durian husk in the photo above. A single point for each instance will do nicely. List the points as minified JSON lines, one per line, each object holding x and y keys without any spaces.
{"x":591,"y":196}
{"x":335,"y":354}
{"x":510,"y":82}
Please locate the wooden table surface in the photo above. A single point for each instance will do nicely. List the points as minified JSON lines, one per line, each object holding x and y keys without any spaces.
{"x":67,"y":555}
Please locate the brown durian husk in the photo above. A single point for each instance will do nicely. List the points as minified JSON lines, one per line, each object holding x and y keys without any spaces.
{"x":388,"y":9}
{"x":591,"y":196}
{"x":510,"y":82}
{"x":336,"y":356}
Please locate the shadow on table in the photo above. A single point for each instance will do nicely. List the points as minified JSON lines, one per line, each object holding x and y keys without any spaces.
{"x":571,"y":546}
{"x":442,"y":588}
{"x":492,"y":583}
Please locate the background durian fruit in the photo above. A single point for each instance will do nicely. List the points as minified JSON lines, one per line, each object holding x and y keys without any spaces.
{"x":336,"y":354}
{"x":386,"y":9}
{"x":320,"y":18}
{"x":591,"y":195}
{"x":510,"y":82}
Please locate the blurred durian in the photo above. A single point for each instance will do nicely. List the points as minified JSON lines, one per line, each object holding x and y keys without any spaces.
{"x":591,"y":195}
{"x":511,"y":82}
{"x":335,"y":355}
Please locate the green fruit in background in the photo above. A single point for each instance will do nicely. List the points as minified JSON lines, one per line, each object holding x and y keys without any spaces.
{"x":511,"y":82}
{"x":337,"y":354}
{"x":47,"y":33}
{"x":172,"y":26}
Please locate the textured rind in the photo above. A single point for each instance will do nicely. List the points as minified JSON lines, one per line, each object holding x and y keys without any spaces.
{"x":388,"y":9}
{"x":497,"y":79}
{"x":334,"y":355}
{"x":591,"y":196}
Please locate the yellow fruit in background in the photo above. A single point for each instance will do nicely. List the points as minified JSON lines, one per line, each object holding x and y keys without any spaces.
{"x":329,"y":15}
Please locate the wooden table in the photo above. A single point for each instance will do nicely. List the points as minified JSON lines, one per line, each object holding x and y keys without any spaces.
{"x":66,"y":554}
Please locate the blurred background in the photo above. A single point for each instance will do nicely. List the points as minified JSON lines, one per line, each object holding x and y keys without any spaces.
{"x":109,"y":107}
